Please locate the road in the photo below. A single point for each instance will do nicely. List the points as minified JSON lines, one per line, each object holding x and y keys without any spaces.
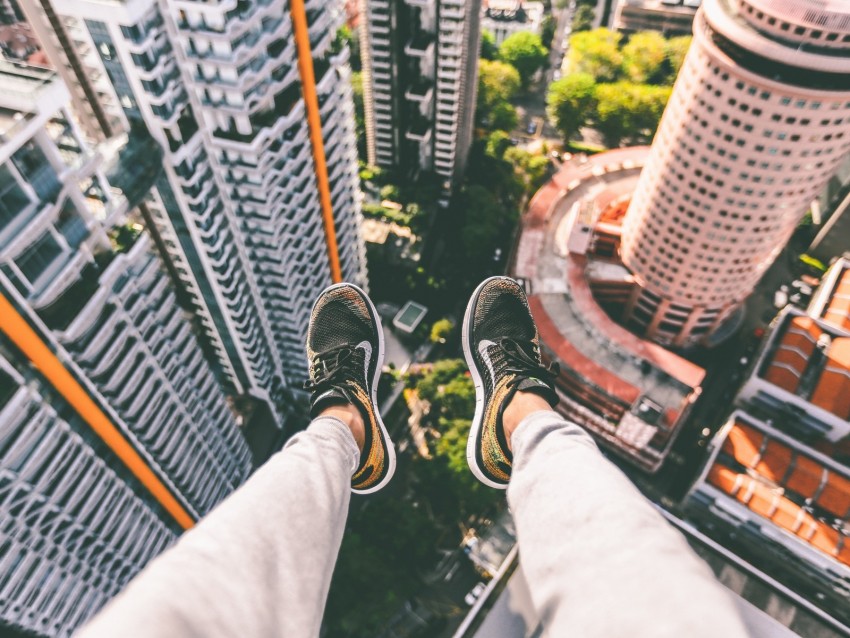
{"x":531,"y":107}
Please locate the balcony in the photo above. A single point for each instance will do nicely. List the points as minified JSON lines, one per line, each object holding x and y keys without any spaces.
{"x":422,"y":91}
{"x":419,"y":131}
{"x":420,"y":45}
{"x":59,"y":314}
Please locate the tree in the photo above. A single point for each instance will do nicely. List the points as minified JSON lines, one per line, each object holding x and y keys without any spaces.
{"x":626,"y":110}
{"x":503,"y":117}
{"x":484,"y":220}
{"x":596,"y":52}
{"x":583,"y":19}
{"x":497,"y":83}
{"x":532,"y":169}
{"x":644,"y":56}
{"x":525,"y":52}
{"x":497,"y":143}
{"x":441,"y":330}
{"x":390,"y":192}
{"x":548,"y":27}
{"x":677,"y":48}
{"x":570,"y":102}
{"x":489,"y":50}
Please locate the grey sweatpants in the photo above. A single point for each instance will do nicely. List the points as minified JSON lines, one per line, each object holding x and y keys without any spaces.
{"x":599,"y":559}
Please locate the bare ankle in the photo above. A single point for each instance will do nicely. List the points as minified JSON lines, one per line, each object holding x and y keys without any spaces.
{"x":349,"y":415}
{"x":522,"y":404}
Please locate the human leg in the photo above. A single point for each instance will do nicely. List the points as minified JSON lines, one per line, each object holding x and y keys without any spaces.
{"x":260,"y":564}
{"x":600,"y":560}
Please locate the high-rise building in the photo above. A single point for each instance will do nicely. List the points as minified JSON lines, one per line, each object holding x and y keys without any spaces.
{"x":114,"y":433}
{"x":420,"y":76}
{"x":670,"y":18}
{"x":757,"y":123}
{"x":257,"y":204}
{"x":503,"y":18}
{"x":10,"y":12}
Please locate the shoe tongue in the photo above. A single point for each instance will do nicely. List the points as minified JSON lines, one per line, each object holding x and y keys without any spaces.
{"x":538,"y":386}
{"x":333,"y":396}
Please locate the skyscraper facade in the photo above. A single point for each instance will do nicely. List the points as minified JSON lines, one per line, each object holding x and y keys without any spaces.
{"x":420,"y":75}
{"x":241,"y":202}
{"x":758,"y":121}
{"x":114,"y":432}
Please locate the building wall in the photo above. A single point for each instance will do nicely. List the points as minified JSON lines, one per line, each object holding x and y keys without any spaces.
{"x":77,"y":266}
{"x":420,"y":77}
{"x":738,"y":158}
{"x":632,"y":16}
{"x":238,"y":204}
{"x":502,"y":22}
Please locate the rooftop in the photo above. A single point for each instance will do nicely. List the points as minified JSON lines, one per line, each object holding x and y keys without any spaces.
{"x":798,"y":491}
{"x":811,"y":359}
{"x":634,"y":393}
{"x":832,"y":301}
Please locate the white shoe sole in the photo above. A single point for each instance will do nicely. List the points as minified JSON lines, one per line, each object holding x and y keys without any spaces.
{"x":475,"y":429}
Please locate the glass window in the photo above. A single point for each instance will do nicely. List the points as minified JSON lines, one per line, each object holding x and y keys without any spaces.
{"x":13,"y":198}
{"x":38,"y":257}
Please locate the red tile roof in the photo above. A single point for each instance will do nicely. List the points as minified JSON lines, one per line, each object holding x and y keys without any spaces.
{"x":772,"y":479}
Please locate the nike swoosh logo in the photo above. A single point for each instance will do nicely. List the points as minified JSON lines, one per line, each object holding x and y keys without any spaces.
{"x":483,"y":347}
{"x":367,"y":358}
{"x":323,"y":395}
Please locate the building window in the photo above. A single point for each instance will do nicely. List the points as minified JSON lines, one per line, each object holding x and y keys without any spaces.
{"x":38,"y":257}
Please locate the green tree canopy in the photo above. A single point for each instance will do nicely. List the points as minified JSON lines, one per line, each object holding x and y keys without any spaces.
{"x":497,"y":84}
{"x":644,"y":56}
{"x":677,"y":48}
{"x":583,"y":19}
{"x":441,"y":330}
{"x":484,"y":220}
{"x":548,"y":27}
{"x":525,"y":52}
{"x":629,"y":110}
{"x":570,"y":102}
{"x":503,"y":117}
{"x":390,"y":192}
{"x":531,"y":168}
{"x":497,"y":143}
{"x":489,"y":50}
{"x":596,"y":52}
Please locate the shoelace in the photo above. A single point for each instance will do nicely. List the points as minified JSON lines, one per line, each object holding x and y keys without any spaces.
{"x":519,"y":362}
{"x":332,"y":367}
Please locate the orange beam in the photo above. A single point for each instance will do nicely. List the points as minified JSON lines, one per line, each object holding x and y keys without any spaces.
{"x":314,"y":121}
{"x":25,"y":338}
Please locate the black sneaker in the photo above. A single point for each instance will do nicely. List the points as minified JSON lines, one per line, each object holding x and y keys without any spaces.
{"x":345,"y":352}
{"x":502,"y":349}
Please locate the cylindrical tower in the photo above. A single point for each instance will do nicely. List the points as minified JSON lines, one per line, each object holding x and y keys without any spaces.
{"x":758,"y":120}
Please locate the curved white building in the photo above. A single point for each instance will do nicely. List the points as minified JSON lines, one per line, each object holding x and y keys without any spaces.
{"x":757,"y":123}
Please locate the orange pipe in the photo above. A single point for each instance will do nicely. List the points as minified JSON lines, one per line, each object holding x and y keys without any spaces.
{"x":26,"y":339}
{"x":311,"y":103}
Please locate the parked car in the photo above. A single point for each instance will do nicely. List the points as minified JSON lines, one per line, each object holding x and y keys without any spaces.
{"x":474,"y":594}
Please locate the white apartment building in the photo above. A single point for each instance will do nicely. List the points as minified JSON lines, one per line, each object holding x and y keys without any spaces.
{"x":420,"y":76}
{"x":92,"y":340}
{"x":238,"y":204}
{"x":758,"y":122}
{"x":503,"y":18}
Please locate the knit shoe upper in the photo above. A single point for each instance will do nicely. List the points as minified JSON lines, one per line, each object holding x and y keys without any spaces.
{"x":502,"y":349}
{"x":345,"y":352}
